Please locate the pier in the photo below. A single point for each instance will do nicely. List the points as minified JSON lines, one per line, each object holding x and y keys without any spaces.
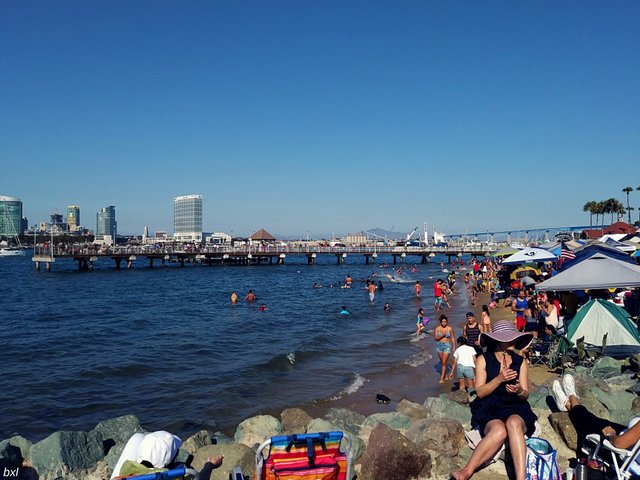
{"x":124,"y":256}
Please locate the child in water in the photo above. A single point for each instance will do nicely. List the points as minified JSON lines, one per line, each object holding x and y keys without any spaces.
{"x":421,"y":322}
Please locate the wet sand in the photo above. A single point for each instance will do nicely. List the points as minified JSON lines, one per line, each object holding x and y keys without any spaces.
{"x":418,"y":383}
{"x":405,"y":381}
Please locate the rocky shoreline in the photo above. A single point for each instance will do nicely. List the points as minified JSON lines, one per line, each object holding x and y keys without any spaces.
{"x":416,"y":441}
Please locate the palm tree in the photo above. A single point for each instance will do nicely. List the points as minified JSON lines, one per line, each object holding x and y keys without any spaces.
{"x":600,"y":210}
{"x":628,"y":190}
{"x":590,"y":207}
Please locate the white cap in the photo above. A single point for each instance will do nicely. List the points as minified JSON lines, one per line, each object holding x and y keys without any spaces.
{"x":158,"y":448}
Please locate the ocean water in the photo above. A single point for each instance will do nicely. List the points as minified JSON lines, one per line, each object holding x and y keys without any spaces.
{"x":166,"y":345}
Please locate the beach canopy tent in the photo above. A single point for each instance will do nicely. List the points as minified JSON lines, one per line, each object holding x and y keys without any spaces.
{"x":591,"y":250}
{"x":530,"y":255}
{"x":597,"y":317}
{"x":619,"y":245}
{"x":596,"y":272}
{"x":505,"y":251}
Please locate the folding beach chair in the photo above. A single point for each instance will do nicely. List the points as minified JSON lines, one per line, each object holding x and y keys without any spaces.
{"x":311,"y":456}
{"x":622,"y":461}
{"x":588,"y":355}
{"x":557,"y":356}
{"x":179,"y":473}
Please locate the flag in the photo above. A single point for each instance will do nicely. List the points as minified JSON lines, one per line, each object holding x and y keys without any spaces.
{"x":566,"y":254}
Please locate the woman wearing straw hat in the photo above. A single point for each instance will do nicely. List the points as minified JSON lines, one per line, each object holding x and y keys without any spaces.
{"x":501,"y":410}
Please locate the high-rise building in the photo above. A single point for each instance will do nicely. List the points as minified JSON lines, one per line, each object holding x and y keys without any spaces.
{"x":73,"y":217}
{"x":10,"y":216}
{"x":106,"y":222}
{"x":187,"y":218}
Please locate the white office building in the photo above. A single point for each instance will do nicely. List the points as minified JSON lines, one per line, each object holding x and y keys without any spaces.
{"x":187,"y":218}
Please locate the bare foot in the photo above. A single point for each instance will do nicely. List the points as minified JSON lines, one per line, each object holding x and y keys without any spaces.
{"x":441,"y":381}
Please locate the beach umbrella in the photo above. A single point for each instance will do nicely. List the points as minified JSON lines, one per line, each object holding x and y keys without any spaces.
{"x":636,"y":254}
{"x":530,"y":255}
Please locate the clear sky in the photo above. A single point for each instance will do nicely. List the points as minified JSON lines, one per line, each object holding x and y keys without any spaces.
{"x":327,"y":116}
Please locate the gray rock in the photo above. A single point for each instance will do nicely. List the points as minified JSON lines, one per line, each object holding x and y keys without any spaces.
{"x":392,"y":456}
{"x":606,"y":367}
{"x":621,"y":416}
{"x":320,"y":425}
{"x":443,"y":464}
{"x":538,"y":397}
{"x":459,"y":396}
{"x":394,"y":420}
{"x":564,"y":428}
{"x":67,"y":450}
{"x":235,"y":455}
{"x":635,"y":405}
{"x":411,"y":409}
{"x":345,"y":419}
{"x":13,"y":450}
{"x":626,"y":381}
{"x":620,"y":400}
{"x":255,"y":430}
{"x":118,"y":430}
{"x":443,"y":408}
{"x":591,"y":403}
{"x":439,"y":435}
{"x":196,"y":441}
{"x":295,"y":420}
{"x":220,"y":438}
{"x":114,"y":454}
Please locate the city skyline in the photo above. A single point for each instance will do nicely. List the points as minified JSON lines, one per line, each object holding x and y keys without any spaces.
{"x":321,"y":118}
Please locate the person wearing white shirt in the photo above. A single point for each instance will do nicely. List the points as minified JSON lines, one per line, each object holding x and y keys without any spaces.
{"x":464,"y":363}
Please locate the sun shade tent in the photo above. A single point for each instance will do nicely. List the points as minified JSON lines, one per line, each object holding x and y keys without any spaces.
{"x":597,"y":272}
{"x":524,"y":271}
{"x":597,"y":317}
{"x":530,"y":255}
{"x":505,"y":251}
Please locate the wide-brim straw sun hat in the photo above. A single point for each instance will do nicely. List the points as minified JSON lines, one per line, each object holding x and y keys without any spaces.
{"x":504,"y":331}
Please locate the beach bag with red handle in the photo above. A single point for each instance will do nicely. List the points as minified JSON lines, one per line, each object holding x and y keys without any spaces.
{"x":311,"y":456}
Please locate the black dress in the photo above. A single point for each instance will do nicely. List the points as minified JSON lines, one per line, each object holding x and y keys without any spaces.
{"x":501,"y":404}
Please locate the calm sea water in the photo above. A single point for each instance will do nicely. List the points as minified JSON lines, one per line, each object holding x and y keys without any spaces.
{"x":167,"y":345}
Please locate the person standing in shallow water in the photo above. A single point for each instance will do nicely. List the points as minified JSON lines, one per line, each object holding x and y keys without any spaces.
{"x":444,"y":335}
{"x":418,"y":288}
{"x":234,"y":297}
{"x":250,"y":296}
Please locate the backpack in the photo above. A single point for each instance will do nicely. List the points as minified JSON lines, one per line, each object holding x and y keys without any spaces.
{"x":541,"y":460}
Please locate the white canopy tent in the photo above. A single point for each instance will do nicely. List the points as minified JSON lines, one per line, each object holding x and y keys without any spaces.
{"x":530,"y":254}
{"x":597,"y":272}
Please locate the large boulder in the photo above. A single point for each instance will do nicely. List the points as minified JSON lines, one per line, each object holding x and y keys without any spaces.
{"x":394,"y":420}
{"x":118,"y":430}
{"x":606,"y":367}
{"x":13,"y":451}
{"x":458,"y":396}
{"x":345,"y":419}
{"x":295,"y":420}
{"x":67,"y":451}
{"x":392,"y":456}
{"x":255,"y":430}
{"x":235,"y":455}
{"x":412,"y":409}
{"x":591,"y":403}
{"x":626,"y":381}
{"x":438,"y":435}
{"x":444,"y":408}
{"x":196,"y":441}
{"x":619,"y":400}
{"x":565,"y":429}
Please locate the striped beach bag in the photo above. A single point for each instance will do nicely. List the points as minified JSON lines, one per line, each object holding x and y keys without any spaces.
{"x":541,"y":460}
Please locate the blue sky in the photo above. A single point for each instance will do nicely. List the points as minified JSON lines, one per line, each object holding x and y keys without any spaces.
{"x":320,"y":116}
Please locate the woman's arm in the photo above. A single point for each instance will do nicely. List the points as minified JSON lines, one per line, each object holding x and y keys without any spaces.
{"x":453,"y":339}
{"x":627,"y":440}
{"x":522,"y":387}
{"x":435,"y":334}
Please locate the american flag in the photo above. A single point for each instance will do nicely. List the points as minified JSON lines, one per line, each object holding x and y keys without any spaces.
{"x":566,"y":254}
